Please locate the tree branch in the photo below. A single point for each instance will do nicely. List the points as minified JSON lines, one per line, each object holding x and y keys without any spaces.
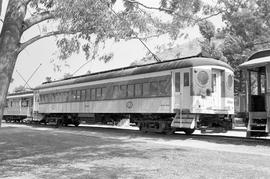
{"x":148,"y":7}
{"x":38,"y":37}
{"x":207,"y":17}
{"x":33,"y":20}
{"x":27,"y":1}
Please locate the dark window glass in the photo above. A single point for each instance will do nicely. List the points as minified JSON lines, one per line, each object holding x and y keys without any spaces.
{"x":186,"y":79}
{"x":47,"y":98}
{"x":103,"y":92}
{"x":74,"y":95}
{"x":154,"y":88}
{"x":64,"y":96}
{"x":138,"y":90}
{"x":131,"y":90}
{"x":57,"y":97}
{"x":146,"y":89}
{"x":70,"y":96}
{"x":123,"y":91}
{"x":78,"y":97}
{"x":115,"y":91}
{"x":88,"y":94}
{"x":98,"y":93}
{"x":177,"y":82}
{"x":93,"y":94}
{"x":163,"y":87}
{"x":41,"y":99}
{"x":214,"y":82}
{"x":83,"y":93}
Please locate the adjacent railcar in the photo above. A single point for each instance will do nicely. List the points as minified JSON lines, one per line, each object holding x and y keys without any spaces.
{"x":18,"y":106}
{"x":159,"y":97}
{"x":254,"y":98}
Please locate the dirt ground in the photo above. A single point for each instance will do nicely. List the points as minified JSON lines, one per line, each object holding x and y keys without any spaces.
{"x":69,"y":152}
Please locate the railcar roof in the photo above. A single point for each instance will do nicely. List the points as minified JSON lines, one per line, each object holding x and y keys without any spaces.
{"x":135,"y":70}
{"x":258,"y":59}
{"x":21,"y":94}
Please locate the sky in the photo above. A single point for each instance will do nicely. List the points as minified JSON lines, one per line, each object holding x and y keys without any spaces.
{"x":39,"y":55}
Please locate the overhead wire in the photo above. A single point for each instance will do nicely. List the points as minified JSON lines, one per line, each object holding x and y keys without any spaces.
{"x":32,"y":74}
{"x":23,"y":79}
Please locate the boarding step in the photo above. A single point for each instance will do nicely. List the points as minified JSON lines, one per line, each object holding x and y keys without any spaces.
{"x":258,"y":124}
{"x":184,"y":121}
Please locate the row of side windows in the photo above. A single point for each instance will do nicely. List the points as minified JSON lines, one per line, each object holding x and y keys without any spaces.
{"x":16,"y":103}
{"x":74,"y":95}
{"x":147,"y":89}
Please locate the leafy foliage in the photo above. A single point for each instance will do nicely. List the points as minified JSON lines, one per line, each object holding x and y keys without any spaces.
{"x":48,"y":79}
{"x":67,"y":75}
{"x":247,"y":29}
{"x":20,"y":88}
{"x":207,"y":29}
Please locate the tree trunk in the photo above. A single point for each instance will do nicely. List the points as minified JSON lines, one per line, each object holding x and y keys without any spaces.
{"x":9,"y":44}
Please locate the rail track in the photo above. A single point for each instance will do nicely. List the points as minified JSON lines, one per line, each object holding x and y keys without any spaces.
{"x":134,"y":132}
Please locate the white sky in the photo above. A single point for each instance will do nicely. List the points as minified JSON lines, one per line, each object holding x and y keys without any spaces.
{"x":41,"y":52}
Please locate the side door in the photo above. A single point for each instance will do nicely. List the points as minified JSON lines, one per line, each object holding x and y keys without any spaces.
{"x":177,"y":90}
{"x":217,"y":88}
{"x":267,"y":94}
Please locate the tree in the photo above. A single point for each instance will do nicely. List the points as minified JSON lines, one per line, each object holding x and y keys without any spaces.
{"x":247,"y":30}
{"x":67,"y":75}
{"x":85,"y":24}
{"x":18,"y":89}
{"x":48,"y":79}
{"x":210,"y":46}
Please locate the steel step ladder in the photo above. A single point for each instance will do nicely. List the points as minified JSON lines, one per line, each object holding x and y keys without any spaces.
{"x":258,"y":124}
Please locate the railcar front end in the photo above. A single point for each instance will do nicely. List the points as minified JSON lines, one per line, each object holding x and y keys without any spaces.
{"x":18,"y":106}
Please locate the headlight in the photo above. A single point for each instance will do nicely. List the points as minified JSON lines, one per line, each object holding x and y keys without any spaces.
{"x":202,"y":78}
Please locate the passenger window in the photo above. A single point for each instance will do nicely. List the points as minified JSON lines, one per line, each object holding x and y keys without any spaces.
{"x":58,"y":97}
{"x":214,"y":82}
{"x":186,"y":79}
{"x":64,"y":96}
{"x":146,"y":89}
{"x":103,"y":92}
{"x":83,"y":93}
{"x":115,"y":91}
{"x":123,"y":91}
{"x":47,"y":98}
{"x":93,"y":94}
{"x":177,"y":82}
{"x":78,"y":95}
{"x":74,"y":95}
{"x":138,"y":90}
{"x":130,"y":90}
{"x":41,"y":99}
{"x":98,"y":92}
{"x":70,"y":96}
{"x":88,"y":94}
{"x":53,"y":97}
{"x":163,"y":87}
{"x":154,"y":88}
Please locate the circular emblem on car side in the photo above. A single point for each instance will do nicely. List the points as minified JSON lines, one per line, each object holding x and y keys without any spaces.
{"x":129,"y":104}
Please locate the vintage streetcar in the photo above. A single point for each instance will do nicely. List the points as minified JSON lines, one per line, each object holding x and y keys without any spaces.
{"x":181,"y":94}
